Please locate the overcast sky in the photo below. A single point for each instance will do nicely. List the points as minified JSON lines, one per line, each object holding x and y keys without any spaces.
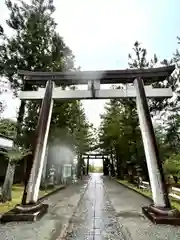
{"x":101,"y":33}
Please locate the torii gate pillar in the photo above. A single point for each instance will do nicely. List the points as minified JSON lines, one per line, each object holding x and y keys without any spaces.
{"x":34,"y":209}
{"x":160,"y":211}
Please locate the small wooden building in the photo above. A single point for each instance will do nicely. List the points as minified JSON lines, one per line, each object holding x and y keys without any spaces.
{"x":5,"y":144}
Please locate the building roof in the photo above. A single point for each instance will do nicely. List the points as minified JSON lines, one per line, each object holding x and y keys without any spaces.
{"x":5,"y":142}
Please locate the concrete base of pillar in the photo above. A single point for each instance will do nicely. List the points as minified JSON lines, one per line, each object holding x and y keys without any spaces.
{"x":162,"y":215}
{"x":28,"y":213}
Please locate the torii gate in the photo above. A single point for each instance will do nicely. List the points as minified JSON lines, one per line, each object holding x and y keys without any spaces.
{"x":89,"y":156}
{"x":160,"y":211}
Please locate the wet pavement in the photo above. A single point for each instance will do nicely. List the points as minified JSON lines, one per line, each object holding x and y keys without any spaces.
{"x":103,"y":209}
{"x":54,"y":223}
{"x":95,"y":217}
{"x":128,"y":206}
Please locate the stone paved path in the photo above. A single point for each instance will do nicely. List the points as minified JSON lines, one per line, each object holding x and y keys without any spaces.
{"x":103,"y":209}
{"x":95,"y":217}
{"x":61,"y":207}
{"x":128,"y":206}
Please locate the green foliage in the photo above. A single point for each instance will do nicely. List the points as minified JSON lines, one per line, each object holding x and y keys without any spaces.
{"x":8,"y":128}
{"x":69,"y":125}
{"x":36,"y":45}
{"x":120,"y":134}
{"x":16,"y":154}
{"x":172,"y":165}
{"x":95,"y":169}
{"x":80,"y":127}
{"x":139,"y":60}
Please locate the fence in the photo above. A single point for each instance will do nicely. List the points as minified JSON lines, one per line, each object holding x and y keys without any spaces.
{"x":175,"y":192}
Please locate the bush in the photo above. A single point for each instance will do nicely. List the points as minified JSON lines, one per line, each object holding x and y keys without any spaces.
{"x":172,"y":165}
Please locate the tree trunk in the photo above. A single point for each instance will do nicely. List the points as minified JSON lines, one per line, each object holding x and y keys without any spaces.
{"x":18,"y":136}
{"x":79,"y":166}
{"x":175,"y":179}
{"x":8,"y":182}
{"x":87,"y":169}
{"x":84,"y":168}
{"x":133,"y":174}
{"x":112,"y":166}
{"x":120,"y":169}
{"x":105,"y":167}
{"x":120,"y":173}
{"x":19,"y":121}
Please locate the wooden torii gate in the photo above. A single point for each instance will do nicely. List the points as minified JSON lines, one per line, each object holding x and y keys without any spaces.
{"x":89,"y":156}
{"x":160,"y":211}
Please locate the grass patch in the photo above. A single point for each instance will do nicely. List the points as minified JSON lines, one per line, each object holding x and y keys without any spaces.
{"x":17,"y":191}
{"x":147,"y":193}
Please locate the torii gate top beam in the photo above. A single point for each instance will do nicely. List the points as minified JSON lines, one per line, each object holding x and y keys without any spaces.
{"x":94,"y":158}
{"x":95,"y":155}
{"x":105,"y":77}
